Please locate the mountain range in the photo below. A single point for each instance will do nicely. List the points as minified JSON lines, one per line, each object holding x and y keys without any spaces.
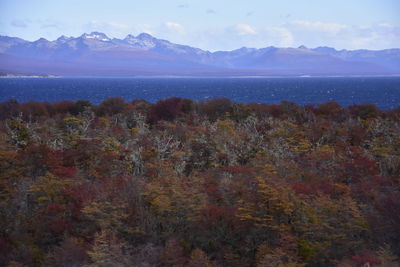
{"x":96,"y":54}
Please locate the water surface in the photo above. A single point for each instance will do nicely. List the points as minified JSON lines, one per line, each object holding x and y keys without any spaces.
{"x":382,"y":91}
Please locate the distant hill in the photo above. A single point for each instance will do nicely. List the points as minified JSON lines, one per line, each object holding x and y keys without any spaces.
{"x":96,"y":54}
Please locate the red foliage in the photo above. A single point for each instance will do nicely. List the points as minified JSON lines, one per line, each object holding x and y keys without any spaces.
{"x":33,"y":108}
{"x":5,"y":249}
{"x":215,"y":108}
{"x":81,"y":193}
{"x":289,"y":244}
{"x":359,"y":169}
{"x":59,"y":225}
{"x":366,"y":257}
{"x":173,"y":254}
{"x":69,"y":253}
{"x":312,"y":189}
{"x":385,"y":221}
{"x":368,"y":191}
{"x":111,"y":106}
{"x":368,"y":166}
{"x":64,"y":171}
{"x":319,"y":129}
{"x":79,"y":196}
{"x":275,"y":111}
{"x":63,"y":107}
{"x":167,"y":109}
{"x":330,"y":109}
{"x":112,"y":188}
{"x":214,"y":214}
{"x":141,"y":106}
{"x":211,"y":188}
{"x":9,"y":109}
{"x":357,"y":135}
{"x":53,"y":208}
{"x":365,"y":111}
{"x":39,"y":159}
{"x":54,"y":217}
{"x":302,"y":188}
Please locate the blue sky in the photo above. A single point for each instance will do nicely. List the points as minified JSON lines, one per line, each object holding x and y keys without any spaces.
{"x":213,"y":25}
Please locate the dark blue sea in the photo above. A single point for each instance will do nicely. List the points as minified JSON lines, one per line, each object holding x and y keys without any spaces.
{"x":382,"y":91}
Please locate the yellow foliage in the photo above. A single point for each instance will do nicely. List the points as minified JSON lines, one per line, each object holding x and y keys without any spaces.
{"x":225,"y":127}
{"x":290,"y":125}
{"x":107,"y":251}
{"x":300,"y":144}
{"x":271,"y":209}
{"x":381,"y":151}
{"x":72,"y":121}
{"x":161,"y":203}
{"x":326,"y":149}
{"x":49,"y":187}
{"x":106,"y":215}
{"x":324,"y":223}
{"x":134,"y":130}
{"x":199,"y":259}
{"x":111,"y":144}
{"x":104,"y":122}
{"x":172,"y":197}
{"x":270,"y":169}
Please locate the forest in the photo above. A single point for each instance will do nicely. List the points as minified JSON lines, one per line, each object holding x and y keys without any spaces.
{"x":208,"y":183}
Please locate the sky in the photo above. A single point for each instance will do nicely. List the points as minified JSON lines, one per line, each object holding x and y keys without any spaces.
{"x":213,"y":24}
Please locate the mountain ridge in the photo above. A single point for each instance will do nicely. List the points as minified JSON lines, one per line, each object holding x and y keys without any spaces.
{"x":96,"y":54}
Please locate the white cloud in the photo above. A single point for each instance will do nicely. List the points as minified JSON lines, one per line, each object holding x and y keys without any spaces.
{"x":386,"y":25}
{"x":296,"y":33}
{"x":240,"y":35}
{"x":375,"y":37}
{"x":245,"y":29}
{"x":139,"y":28}
{"x":107,"y":25}
{"x":113,"y":29}
{"x":291,"y":34}
{"x":317,"y":26}
{"x":116,"y":29}
{"x":175,"y":27}
{"x":341,"y":36}
{"x":280,"y":36}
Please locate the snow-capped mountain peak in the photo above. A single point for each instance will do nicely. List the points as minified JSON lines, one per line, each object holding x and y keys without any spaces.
{"x":143,"y":41}
{"x":97,"y":54}
{"x":96,"y":36}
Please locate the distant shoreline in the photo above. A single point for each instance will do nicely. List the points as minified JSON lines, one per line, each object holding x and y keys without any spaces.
{"x":28,"y":76}
{"x":193,"y":77}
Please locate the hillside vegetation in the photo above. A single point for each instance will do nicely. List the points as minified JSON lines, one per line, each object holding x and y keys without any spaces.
{"x":183,"y":183}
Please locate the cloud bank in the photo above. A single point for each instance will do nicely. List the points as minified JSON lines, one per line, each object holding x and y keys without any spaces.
{"x":291,"y":34}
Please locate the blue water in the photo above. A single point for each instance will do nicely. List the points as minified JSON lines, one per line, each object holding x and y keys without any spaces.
{"x":382,"y":91}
